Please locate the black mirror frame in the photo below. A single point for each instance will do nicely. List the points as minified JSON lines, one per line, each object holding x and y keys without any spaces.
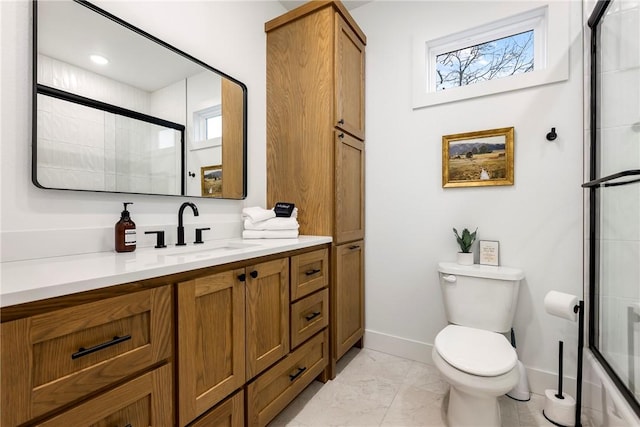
{"x":45,"y":90}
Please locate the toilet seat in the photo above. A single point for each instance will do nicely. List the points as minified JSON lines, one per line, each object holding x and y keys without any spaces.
{"x":475,"y":351}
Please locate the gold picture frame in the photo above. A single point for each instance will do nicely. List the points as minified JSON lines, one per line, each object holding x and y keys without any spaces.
{"x":211,"y":181}
{"x":478,"y":159}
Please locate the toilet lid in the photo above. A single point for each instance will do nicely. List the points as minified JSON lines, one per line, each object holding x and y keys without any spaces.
{"x":476,"y":351}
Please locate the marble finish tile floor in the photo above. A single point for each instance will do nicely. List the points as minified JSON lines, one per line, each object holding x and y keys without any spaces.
{"x":378,"y":389}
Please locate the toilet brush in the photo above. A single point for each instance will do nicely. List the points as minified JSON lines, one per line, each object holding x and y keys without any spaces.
{"x":559,"y":407}
{"x":521,"y":390}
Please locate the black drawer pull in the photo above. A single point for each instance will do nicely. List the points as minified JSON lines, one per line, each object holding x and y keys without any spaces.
{"x":253,"y":274}
{"x":84,"y":351}
{"x":341,"y":121}
{"x":297,"y":374}
{"x":354,"y":247}
{"x":312,"y":316}
{"x":341,"y":136}
{"x":242,"y":277}
{"x":128,"y":425}
{"x":312,"y":272}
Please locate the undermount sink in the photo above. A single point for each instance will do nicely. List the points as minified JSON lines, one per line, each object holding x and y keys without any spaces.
{"x":210,"y":249}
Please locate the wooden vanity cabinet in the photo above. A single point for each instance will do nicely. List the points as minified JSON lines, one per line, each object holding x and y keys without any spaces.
{"x":242,"y":344}
{"x":315,"y":143}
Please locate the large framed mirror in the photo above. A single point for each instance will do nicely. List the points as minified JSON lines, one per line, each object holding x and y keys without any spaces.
{"x":115,"y":109}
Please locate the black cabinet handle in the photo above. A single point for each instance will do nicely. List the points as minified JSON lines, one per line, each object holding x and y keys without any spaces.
{"x":354,"y":247}
{"x":341,"y":136}
{"x":312,"y":272}
{"x":297,"y":374}
{"x":129,"y":425}
{"x":341,"y":121}
{"x":242,"y":277}
{"x":84,"y":351}
{"x":253,"y":274}
{"x":312,"y":316}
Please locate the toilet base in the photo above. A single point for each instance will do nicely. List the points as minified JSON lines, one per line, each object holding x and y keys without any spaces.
{"x":471,"y":410}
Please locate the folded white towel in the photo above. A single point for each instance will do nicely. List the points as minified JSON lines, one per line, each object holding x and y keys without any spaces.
{"x":269,"y":234}
{"x":257,"y":213}
{"x":280,"y":223}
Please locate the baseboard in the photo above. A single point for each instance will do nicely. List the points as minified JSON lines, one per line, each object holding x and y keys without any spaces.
{"x":539,"y":380}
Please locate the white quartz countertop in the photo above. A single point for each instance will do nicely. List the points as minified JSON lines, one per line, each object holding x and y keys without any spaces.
{"x":37,"y":279}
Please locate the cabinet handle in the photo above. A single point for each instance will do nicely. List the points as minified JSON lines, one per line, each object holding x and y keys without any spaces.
{"x":242,"y":277}
{"x":253,"y":274}
{"x":354,"y":247}
{"x":312,"y":316}
{"x":297,"y":374}
{"x":341,"y":121}
{"x":341,"y":136}
{"x":312,"y":272}
{"x":128,"y":425}
{"x":84,"y":351}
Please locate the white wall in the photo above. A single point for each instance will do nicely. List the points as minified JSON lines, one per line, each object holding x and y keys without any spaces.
{"x":225,"y":34}
{"x":409,"y":216}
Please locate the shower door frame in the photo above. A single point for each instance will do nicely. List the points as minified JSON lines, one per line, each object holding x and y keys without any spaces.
{"x":593,"y":186}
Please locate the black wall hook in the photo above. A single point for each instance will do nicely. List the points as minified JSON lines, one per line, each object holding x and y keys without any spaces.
{"x":552,"y":135}
{"x":192,"y":175}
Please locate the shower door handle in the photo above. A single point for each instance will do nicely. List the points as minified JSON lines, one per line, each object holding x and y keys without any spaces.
{"x":450,"y":278}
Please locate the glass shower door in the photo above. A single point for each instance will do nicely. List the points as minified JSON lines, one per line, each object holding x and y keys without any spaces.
{"x":615,"y":193}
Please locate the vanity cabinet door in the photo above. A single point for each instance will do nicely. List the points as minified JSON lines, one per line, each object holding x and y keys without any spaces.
{"x":349,"y":189}
{"x":211,"y":327}
{"x":349,"y":83}
{"x":348,"y":311}
{"x":267,"y":318}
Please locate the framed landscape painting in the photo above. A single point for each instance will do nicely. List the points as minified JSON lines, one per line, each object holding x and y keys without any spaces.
{"x":211,"y":181}
{"x":476,"y":159}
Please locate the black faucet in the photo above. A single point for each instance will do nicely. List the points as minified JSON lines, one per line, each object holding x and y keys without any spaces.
{"x":180,"y":226}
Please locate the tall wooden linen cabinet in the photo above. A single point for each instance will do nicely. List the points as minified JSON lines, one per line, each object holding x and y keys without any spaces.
{"x":315,"y":145}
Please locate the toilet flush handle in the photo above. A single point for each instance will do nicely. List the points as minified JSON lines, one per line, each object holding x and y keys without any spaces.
{"x":450,"y":278}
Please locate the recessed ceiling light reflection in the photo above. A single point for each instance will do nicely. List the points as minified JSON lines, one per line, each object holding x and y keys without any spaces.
{"x":99,"y":59}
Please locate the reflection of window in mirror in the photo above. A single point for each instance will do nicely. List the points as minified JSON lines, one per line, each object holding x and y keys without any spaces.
{"x":207,"y":124}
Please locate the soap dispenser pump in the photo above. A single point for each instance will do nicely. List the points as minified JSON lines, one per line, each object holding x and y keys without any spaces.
{"x":125,"y":232}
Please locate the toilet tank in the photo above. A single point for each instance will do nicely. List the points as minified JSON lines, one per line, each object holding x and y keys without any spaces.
{"x":480,"y":296}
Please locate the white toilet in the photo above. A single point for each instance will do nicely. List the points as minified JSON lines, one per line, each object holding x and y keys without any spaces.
{"x":471,"y":353}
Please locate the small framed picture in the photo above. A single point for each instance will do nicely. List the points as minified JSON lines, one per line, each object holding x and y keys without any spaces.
{"x":489,"y":252}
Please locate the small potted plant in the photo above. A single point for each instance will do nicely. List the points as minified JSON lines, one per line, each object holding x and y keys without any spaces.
{"x":465,"y":256}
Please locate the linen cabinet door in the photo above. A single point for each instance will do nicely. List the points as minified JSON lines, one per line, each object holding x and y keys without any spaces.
{"x":348,"y":312}
{"x":267,"y":314}
{"x":349,"y":189}
{"x":349,"y":84}
{"x":211,"y":327}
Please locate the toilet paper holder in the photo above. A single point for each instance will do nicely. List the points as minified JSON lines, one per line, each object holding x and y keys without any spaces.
{"x":578,"y":309}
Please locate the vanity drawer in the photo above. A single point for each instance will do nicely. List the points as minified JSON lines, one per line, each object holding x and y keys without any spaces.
{"x":309,"y":316}
{"x":53,"y":359}
{"x":143,"y":401}
{"x":272,"y":391}
{"x":309,"y":272}
{"x":229,"y":413}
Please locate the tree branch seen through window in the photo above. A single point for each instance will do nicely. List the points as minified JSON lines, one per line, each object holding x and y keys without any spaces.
{"x":487,"y":61}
